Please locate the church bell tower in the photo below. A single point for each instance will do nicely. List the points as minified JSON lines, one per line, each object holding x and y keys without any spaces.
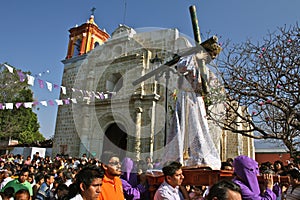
{"x":85,"y":38}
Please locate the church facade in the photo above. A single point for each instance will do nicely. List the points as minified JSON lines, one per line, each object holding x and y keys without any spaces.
{"x":117,"y":103}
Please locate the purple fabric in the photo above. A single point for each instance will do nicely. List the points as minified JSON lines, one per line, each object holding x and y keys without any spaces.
{"x":246,"y":170}
{"x":132,"y":190}
{"x":127,"y":166}
{"x":132,"y":193}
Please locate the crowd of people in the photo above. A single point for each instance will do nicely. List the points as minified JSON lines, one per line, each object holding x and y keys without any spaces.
{"x":110,"y":178}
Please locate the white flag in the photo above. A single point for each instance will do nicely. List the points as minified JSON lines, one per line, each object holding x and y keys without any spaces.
{"x":30,"y":80}
{"x":74,"y":100}
{"x":59,"y":102}
{"x":44,"y":103}
{"x":10,"y":69}
{"x":28,"y":104}
{"x":63,"y":89}
{"x":9,"y":106}
{"x":49,"y":86}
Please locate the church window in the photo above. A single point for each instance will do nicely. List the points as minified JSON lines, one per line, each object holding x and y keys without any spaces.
{"x":96,"y":44}
{"x":77,"y":46}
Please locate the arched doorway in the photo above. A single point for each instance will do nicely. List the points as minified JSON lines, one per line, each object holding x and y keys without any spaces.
{"x":115,"y":140}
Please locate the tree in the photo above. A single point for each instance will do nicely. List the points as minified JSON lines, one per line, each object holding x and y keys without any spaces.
{"x":262,"y":88}
{"x":17,"y":123}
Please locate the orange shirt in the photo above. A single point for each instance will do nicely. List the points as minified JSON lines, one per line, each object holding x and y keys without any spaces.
{"x":111,"y":189}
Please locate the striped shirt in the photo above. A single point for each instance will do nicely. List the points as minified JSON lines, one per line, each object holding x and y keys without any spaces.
{"x":293,"y":194}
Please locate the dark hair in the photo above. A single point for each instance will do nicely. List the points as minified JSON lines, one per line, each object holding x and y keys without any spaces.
{"x":85,"y":176}
{"x":225,"y":164}
{"x":47,"y":176}
{"x":107,"y":155}
{"x":39,"y":177}
{"x":294,"y":173}
{"x":221,"y":188}
{"x":171,"y":168}
{"x":22,"y":191}
{"x":9,"y":192}
{"x":67,"y":175}
{"x":62,"y":187}
{"x":24,"y":170}
{"x":280,"y":163}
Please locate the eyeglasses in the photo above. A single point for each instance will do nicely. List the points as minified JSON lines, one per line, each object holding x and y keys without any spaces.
{"x":115,"y":163}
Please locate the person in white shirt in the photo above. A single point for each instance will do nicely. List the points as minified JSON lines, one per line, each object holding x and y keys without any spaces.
{"x":6,"y":177}
{"x":171,"y":188}
{"x":88,"y":183}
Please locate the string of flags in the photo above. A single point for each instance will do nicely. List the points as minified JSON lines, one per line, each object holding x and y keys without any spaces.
{"x":87,"y":96}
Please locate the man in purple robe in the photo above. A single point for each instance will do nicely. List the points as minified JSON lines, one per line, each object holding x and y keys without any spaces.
{"x":246,"y":171}
{"x":132,"y":189}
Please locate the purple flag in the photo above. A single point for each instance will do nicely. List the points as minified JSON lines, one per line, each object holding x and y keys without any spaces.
{"x":51,"y":103}
{"x":21,"y":75}
{"x":41,"y":83}
{"x":18,"y":105}
{"x":67,"y":101}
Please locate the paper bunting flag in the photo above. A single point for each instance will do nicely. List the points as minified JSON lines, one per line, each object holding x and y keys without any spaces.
{"x":1,"y":106}
{"x":67,"y":101}
{"x":18,"y":105}
{"x":101,"y":96}
{"x":51,"y":103}
{"x":10,"y":69}
{"x":74,"y":100}
{"x":63,"y":89}
{"x":30,"y":80}
{"x":59,"y":102}
{"x":21,"y":76}
{"x":28,"y":104}
{"x":41,"y":83}
{"x":56,"y":86}
{"x":9,"y":106}
{"x":44,"y":103}
{"x":49,"y":86}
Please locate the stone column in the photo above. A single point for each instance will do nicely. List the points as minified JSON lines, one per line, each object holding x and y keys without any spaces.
{"x":152,"y":130}
{"x":138,"y":124}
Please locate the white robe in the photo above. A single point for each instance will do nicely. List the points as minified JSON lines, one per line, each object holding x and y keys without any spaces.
{"x":189,"y":132}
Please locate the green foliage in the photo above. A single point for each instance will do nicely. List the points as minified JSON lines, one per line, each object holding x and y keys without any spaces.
{"x":19,"y":123}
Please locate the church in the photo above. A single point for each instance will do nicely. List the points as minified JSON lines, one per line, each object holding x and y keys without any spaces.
{"x":109,"y":109}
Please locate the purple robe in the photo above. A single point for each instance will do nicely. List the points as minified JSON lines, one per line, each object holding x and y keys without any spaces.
{"x":246,"y":170}
{"x":132,"y":190}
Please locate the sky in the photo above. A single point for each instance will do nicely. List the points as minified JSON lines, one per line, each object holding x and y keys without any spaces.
{"x":34,"y":33}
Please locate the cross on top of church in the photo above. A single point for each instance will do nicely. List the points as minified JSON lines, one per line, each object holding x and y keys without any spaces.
{"x":93,"y":10}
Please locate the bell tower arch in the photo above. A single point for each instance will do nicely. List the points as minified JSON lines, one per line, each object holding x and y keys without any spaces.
{"x":85,"y":38}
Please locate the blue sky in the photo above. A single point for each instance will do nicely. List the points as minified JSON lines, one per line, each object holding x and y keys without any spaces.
{"x":34,"y":33}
